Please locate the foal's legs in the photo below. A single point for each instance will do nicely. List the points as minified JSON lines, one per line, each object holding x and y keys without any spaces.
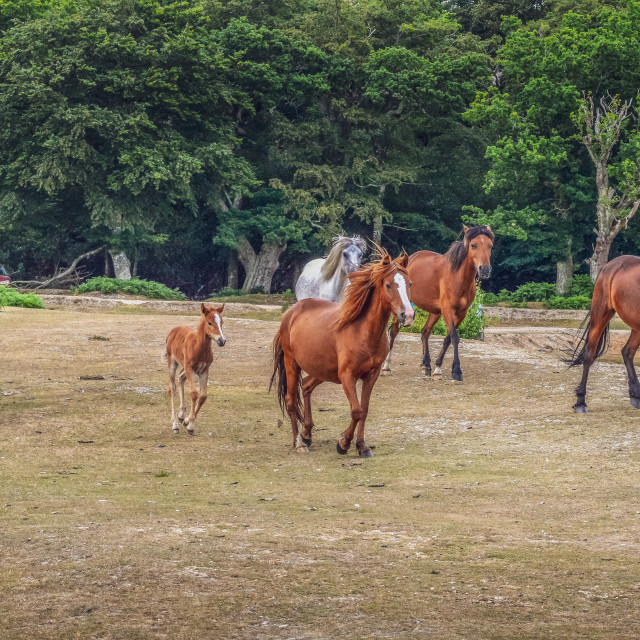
{"x":628,"y":353}
{"x":173,"y":367}
{"x":200,"y":398}
{"x":182,"y":414}
{"x":308,"y":385}
{"x":598,"y":321}
{"x":424,"y":334}
{"x":349,"y":385}
{"x":393,"y":332}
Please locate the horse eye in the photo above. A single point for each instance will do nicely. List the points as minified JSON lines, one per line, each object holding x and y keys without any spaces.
{"x":388,"y":286}
{"x":474,"y":246}
{"x":209,"y":323}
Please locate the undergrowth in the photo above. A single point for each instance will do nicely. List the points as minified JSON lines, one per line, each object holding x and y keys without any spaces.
{"x":135,"y":286}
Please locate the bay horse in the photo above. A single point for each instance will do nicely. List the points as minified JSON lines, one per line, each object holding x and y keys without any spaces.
{"x":445,"y":285}
{"x":617,"y":290}
{"x":325,"y":278}
{"x":191,"y":349}
{"x":341,"y":343}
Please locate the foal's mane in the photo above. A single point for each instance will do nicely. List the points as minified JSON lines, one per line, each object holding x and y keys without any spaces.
{"x":333,"y":260}
{"x":362,"y":284}
{"x":459,"y":249}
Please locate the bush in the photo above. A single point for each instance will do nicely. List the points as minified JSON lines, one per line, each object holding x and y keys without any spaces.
{"x":570,"y":302}
{"x":581,"y":285}
{"x":135,"y":286}
{"x":227,"y":292}
{"x":471,"y":327}
{"x":533,"y":292}
{"x":13,"y":298}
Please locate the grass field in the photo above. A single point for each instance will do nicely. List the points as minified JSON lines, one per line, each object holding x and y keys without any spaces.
{"x":490,"y":509}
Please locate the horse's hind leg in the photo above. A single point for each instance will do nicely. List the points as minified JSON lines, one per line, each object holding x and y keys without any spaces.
{"x":393,"y":332}
{"x":628,"y":353}
{"x":182,"y":413}
{"x":308,"y":385}
{"x":173,"y":367}
{"x":599,"y":319}
{"x":292,"y":401}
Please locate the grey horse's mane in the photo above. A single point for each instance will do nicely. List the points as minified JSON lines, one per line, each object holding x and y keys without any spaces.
{"x":334,"y":259}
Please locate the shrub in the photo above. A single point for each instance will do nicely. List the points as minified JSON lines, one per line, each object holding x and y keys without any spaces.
{"x":581,"y":285}
{"x":471,"y":327}
{"x":135,"y":286}
{"x":534,"y":292}
{"x":13,"y":298}
{"x":227,"y":292}
{"x":570,"y":302}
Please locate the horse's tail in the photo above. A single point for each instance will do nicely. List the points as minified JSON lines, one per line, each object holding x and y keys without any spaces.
{"x":575,"y":357}
{"x":279,"y":377}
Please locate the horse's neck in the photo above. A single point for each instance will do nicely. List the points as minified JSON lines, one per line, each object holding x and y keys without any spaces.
{"x":203,"y":341}
{"x":335,"y":283}
{"x":375,"y":319}
{"x":467,"y":274}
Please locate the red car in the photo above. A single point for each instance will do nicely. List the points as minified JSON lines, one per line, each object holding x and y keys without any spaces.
{"x":4,"y":276}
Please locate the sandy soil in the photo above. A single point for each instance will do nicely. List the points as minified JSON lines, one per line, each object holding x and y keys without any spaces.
{"x":490,"y":509}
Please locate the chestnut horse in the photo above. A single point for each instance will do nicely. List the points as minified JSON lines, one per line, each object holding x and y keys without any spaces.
{"x":191,"y":349}
{"x":445,"y":285}
{"x":341,"y":343}
{"x":617,"y":289}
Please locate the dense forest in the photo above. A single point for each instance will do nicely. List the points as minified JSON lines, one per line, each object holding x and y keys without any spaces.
{"x":214,"y":143}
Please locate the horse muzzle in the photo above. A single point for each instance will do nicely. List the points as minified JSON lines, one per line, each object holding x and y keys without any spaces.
{"x":221,"y":342}
{"x":484,"y":271}
{"x":405,"y":318}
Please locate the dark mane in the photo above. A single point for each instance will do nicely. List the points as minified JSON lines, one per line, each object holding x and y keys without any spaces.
{"x":458,"y":250}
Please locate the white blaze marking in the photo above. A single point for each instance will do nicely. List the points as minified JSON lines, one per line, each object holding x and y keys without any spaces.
{"x":217,"y":319}
{"x":402,"y":290}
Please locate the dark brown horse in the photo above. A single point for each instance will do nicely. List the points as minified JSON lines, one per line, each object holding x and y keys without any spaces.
{"x":191,"y":349}
{"x":445,"y":285}
{"x":617,"y":289}
{"x":341,"y":343}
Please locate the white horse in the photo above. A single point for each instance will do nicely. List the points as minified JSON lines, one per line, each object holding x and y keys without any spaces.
{"x":326,"y":277}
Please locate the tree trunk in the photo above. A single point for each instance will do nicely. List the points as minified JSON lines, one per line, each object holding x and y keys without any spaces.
{"x":232,"y":270}
{"x":564,"y":271}
{"x":107,"y":264}
{"x":261,"y":266}
{"x":600,"y":255}
{"x":377,"y":230}
{"x":121,"y":265}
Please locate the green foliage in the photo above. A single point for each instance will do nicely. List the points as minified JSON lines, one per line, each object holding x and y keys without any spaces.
{"x":10,"y":297}
{"x":471,"y":327}
{"x":569,"y":302}
{"x":135,"y":286}
{"x":226,"y":292}
{"x":581,"y":285}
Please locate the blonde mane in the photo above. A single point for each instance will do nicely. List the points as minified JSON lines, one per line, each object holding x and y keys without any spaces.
{"x":334,"y":259}
{"x":362,"y":284}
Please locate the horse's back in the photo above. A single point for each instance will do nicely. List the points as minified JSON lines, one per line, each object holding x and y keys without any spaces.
{"x":176,"y":342}
{"x":306,"y":332}
{"x":618,"y":287}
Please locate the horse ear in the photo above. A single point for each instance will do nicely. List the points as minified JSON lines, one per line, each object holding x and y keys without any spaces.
{"x":402,"y":260}
{"x":488,"y":227}
{"x":220,"y":309}
{"x":465,"y":228}
{"x":203,"y":309}
{"x":386,"y":259}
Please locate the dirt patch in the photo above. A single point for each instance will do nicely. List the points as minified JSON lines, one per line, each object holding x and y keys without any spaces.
{"x":490,"y":509}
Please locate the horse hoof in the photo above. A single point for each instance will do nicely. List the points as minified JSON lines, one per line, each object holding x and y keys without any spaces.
{"x":635,"y":402}
{"x":340,"y":450}
{"x":191,"y":431}
{"x":307,"y":441}
{"x":302,"y":448}
{"x":366,"y":453}
{"x":436,"y":376}
{"x":580,"y":408}
{"x":385,"y":372}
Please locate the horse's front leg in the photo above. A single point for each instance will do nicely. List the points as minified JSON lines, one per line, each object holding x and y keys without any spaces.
{"x":367,"y":386}
{"x":452,"y":321}
{"x":189,"y":373}
{"x":349,"y":385}
{"x":424,"y":335}
{"x":203,"y":379}
{"x":308,"y":385}
{"x":173,"y":367}
{"x":182,"y":413}
{"x":393,"y":332}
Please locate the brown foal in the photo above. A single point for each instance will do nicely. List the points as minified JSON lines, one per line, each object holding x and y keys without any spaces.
{"x":191,"y":349}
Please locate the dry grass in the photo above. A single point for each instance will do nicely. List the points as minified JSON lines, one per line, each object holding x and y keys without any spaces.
{"x":490,"y":510}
